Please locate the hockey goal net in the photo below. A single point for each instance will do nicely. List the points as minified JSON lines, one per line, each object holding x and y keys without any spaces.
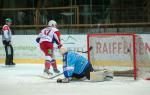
{"x":120,"y":53}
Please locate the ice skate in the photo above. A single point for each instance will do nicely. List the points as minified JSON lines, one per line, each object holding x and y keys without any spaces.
{"x":46,"y":71}
{"x":56,"y":70}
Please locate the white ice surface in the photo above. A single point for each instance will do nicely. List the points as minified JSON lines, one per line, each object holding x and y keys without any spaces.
{"x":23,"y":79}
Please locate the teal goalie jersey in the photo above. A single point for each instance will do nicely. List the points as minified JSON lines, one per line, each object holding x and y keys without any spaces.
{"x":74,"y":63}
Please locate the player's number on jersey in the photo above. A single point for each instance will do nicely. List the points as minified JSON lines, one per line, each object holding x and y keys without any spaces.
{"x":47,"y":32}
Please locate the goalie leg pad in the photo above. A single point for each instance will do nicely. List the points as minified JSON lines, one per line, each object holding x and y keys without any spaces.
{"x":97,"y":76}
{"x":108,"y":75}
{"x":103,"y":75}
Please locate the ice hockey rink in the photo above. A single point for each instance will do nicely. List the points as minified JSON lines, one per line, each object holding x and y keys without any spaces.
{"x":23,"y":79}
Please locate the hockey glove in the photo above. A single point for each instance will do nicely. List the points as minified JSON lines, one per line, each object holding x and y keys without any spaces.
{"x":65,"y":80}
{"x":59,"y":46}
{"x":37,"y":40}
{"x":7,"y":43}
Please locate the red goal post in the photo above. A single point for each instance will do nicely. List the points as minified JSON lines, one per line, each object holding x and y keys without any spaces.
{"x":113,"y":51}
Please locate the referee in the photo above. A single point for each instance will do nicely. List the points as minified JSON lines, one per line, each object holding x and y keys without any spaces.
{"x":6,"y":38}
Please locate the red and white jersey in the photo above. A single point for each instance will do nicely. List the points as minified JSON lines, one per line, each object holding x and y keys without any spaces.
{"x":6,"y":33}
{"x":50,"y":34}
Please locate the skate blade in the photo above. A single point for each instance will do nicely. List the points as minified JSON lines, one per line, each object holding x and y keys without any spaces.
{"x":47,"y":76}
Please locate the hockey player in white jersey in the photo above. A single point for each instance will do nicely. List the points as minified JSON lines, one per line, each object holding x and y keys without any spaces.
{"x":47,"y":37}
{"x":6,"y":38}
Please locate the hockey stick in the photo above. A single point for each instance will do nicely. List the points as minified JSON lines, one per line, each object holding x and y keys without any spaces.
{"x":52,"y":76}
{"x":89,"y":49}
{"x":56,"y":75}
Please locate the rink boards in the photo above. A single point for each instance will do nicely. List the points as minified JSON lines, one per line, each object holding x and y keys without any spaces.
{"x":26,"y":50}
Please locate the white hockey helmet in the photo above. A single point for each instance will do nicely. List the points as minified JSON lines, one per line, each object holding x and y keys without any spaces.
{"x":52,"y":23}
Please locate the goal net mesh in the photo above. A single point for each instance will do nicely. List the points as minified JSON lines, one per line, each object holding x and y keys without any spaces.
{"x":143,"y":56}
{"x":113,"y":51}
{"x":125,"y":54}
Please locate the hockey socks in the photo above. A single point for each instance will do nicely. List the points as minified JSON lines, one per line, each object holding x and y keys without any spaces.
{"x":54,"y":65}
